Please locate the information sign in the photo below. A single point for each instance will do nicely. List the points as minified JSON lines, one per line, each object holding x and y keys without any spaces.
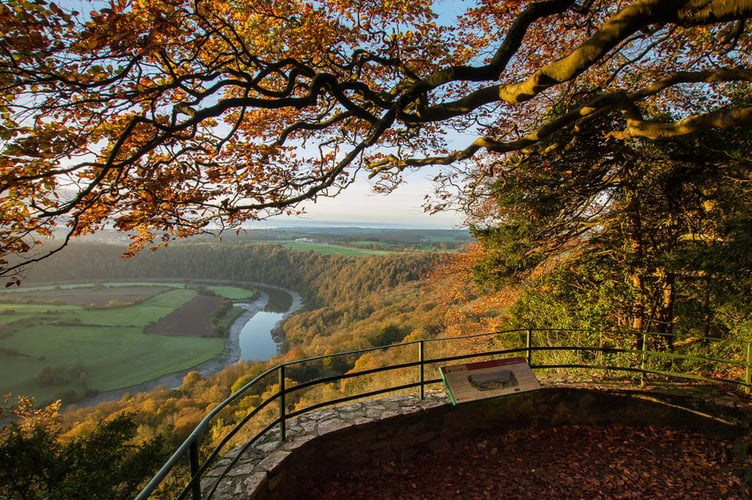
{"x":487,"y":379}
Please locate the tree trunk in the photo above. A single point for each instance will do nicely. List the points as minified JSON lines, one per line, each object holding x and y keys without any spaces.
{"x":666,"y":313}
{"x":638,"y":306}
{"x":708,"y":311}
{"x":637,"y":259}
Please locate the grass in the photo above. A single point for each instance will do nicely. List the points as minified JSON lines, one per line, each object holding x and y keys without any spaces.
{"x":328,"y":249}
{"x":230,"y":317}
{"x":139,"y":315}
{"x":73,"y":286}
{"x":368,"y":243}
{"x":94,"y":349}
{"x":233,"y":292}
{"x":13,"y":313}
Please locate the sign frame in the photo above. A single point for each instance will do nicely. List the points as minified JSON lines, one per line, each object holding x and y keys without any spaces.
{"x":488,"y":379}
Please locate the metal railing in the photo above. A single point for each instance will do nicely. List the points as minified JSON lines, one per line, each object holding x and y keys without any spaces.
{"x":544,"y":349}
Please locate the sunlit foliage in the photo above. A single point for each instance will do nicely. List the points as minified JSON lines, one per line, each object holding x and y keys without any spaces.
{"x":36,"y":462}
{"x":165,"y":117}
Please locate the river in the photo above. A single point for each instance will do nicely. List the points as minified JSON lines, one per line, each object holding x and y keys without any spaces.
{"x":249,"y":338}
{"x":256,"y":340}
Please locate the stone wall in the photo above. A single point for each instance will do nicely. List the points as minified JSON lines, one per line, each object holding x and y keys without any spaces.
{"x":396,"y":429}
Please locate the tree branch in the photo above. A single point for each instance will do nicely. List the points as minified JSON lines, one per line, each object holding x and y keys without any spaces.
{"x":615,"y":30}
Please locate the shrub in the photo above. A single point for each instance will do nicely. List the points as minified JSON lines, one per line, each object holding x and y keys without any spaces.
{"x":35,"y":462}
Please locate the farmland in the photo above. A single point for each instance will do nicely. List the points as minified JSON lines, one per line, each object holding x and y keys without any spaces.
{"x":358,"y":242}
{"x":328,"y":248}
{"x":71,"y":341}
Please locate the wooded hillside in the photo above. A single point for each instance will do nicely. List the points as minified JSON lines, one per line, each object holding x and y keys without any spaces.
{"x":351,"y":302}
{"x":319,"y":278}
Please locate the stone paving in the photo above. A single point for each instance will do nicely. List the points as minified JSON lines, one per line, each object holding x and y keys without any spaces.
{"x":254,"y":466}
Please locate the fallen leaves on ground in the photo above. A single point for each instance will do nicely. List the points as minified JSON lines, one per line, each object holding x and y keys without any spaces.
{"x":593,"y":462}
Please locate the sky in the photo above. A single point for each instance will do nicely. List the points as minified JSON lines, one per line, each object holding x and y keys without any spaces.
{"x":358,"y":205}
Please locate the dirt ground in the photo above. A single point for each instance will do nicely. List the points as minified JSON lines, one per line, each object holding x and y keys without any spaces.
{"x":593,"y":462}
{"x":192,"y":319}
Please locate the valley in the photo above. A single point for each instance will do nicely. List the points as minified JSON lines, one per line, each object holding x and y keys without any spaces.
{"x":134,"y":324}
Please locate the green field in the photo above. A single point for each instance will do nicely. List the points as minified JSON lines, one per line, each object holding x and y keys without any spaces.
{"x":55,"y":349}
{"x":233,"y":292}
{"x":329,"y":249}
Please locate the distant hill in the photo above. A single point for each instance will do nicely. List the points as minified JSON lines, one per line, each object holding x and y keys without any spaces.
{"x":380,"y":238}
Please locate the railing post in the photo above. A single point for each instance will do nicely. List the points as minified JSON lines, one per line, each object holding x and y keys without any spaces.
{"x":421,"y":354}
{"x":747,"y":368}
{"x":282,"y":404}
{"x":529,"y":345}
{"x":195,"y":480}
{"x":643,"y":357}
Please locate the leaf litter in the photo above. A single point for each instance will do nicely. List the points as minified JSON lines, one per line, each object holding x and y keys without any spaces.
{"x":576,"y":461}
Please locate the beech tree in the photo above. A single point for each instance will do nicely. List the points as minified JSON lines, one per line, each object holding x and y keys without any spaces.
{"x":628,"y":234}
{"x":163,"y":117}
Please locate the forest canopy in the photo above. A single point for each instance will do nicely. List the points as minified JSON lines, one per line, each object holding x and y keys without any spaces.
{"x":163,"y":118}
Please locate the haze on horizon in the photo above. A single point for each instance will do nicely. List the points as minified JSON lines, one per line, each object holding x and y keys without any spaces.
{"x":359,"y":205}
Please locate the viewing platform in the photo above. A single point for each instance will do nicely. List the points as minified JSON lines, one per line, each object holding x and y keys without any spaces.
{"x":258,"y":469}
{"x":394,"y":411}
{"x":394,"y":429}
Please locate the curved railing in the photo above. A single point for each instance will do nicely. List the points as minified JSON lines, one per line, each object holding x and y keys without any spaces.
{"x":658,"y":356}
